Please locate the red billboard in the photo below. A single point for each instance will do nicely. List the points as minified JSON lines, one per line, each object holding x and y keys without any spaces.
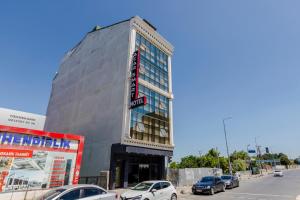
{"x":33,"y":159}
{"x":135,"y":100}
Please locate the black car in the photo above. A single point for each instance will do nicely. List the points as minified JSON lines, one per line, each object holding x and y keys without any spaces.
{"x":209,"y":184}
{"x":230,"y":181}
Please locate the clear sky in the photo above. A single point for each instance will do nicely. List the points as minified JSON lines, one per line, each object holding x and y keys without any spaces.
{"x":232,"y":58}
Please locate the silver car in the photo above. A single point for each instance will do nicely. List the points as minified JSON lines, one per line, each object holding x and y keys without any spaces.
{"x":82,"y":192}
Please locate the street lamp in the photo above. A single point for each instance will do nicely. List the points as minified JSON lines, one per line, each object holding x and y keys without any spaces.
{"x":258,"y":154}
{"x":229,"y":163}
{"x":219,"y":166}
{"x":249,"y":161}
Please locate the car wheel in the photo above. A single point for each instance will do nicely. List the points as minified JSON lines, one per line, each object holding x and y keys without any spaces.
{"x":173,"y":197}
{"x":223,"y":188}
{"x":212,"y":191}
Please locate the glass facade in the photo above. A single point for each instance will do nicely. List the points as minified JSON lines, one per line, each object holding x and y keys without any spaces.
{"x":154,"y":63}
{"x":151,"y":122}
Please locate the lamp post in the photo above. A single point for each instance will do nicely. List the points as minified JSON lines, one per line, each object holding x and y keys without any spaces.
{"x":219,"y":166}
{"x":249,"y":157}
{"x":274,"y":163}
{"x":229,"y":163}
{"x":258,"y":154}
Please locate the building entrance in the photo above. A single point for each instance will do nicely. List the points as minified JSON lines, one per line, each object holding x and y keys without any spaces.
{"x":133,"y":169}
{"x":143,"y":172}
{"x":128,"y":169}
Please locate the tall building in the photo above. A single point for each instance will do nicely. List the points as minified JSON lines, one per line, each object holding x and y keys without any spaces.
{"x":115,"y":88}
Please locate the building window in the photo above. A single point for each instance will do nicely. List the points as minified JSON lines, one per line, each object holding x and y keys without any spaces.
{"x":154,"y":63}
{"x":151,"y":122}
{"x":163,"y":133}
{"x":140,"y":127}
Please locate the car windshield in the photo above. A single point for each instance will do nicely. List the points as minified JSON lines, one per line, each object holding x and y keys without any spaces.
{"x":207,"y":179}
{"x":142,"y":186}
{"x":226,"y":177}
{"x":51,"y":194}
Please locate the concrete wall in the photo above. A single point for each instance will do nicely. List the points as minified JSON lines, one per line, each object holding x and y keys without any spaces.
{"x":189,"y":176}
{"x":87,"y":95}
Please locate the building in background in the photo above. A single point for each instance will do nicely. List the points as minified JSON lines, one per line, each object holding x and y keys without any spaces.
{"x":115,"y":88}
{"x":9,"y":117}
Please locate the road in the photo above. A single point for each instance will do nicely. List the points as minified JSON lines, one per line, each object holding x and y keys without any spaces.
{"x":265,"y":188}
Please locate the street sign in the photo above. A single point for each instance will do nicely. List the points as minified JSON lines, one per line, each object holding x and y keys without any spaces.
{"x":268,"y":161}
{"x":251,"y":151}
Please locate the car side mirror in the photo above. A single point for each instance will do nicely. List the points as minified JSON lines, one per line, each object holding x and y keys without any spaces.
{"x":153,"y":190}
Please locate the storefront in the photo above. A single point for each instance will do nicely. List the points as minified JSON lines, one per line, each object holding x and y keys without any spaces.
{"x":131,"y":165}
{"x":33,"y":159}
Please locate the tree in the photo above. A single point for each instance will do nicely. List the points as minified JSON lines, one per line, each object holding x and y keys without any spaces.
{"x":224,"y":164}
{"x":210,"y":161}
{"x":174,"y":165}
{"x":268,"y":156}
{"x":188,"y":162}
{"x":213,"y":153}
{"x":239,"y":165}
{"x":242,"y":155}
{"x":297,"y":161}
{"x":284,"y":160}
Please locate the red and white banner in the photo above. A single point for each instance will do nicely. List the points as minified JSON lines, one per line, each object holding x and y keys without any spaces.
{"x":15,"y":153}
{"x":33,"y":159}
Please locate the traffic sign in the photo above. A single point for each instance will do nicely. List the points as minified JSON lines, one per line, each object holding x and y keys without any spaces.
{"x":251,"y":151}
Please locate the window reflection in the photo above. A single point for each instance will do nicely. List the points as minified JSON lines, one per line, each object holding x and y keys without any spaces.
{"x":151,"y":122}
{"x":154,"y":63}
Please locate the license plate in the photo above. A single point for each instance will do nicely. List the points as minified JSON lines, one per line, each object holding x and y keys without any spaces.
{"x":199,"y":190}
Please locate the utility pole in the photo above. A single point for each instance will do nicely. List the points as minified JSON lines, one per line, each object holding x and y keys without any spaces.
{"x":258,"y":154}
{"x":229,"y":163}
{"x":274,"y":163}
{"x":200,"y":153}
{"x":249,"y":161}
{"x":218,"y":158}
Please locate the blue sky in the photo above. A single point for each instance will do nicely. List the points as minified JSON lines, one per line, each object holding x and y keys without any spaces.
{"x":232,"y":58}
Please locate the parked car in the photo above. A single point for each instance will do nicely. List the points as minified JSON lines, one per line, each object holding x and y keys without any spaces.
{"x":209,"y":184}
{"x":278,"y":173}
{"x":80,"y":192}
{"x":230,"y":181}
{"x":151,"y":190}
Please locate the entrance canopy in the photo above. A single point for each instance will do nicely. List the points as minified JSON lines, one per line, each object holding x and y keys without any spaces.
{"x":120,"y":148}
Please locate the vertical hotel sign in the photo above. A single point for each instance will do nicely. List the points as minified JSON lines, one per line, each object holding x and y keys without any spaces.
{"x":135,"y":100}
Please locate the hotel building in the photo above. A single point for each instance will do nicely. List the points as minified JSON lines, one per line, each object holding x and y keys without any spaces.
{"x":115,"y":88}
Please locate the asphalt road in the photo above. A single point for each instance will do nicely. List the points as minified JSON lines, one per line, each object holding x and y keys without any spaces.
{"x":265,"y":188}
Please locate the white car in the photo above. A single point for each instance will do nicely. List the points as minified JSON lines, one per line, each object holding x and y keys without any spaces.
{"x":80,"y":192}
{"x":151,"y":190}
{"x":278,"y":173}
